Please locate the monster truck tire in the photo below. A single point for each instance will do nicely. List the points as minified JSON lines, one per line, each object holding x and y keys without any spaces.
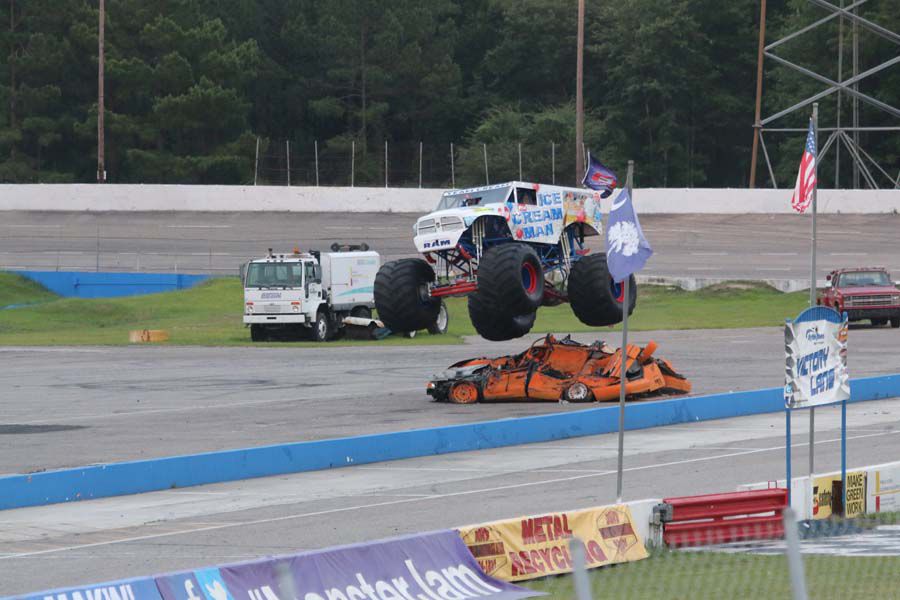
{"x":401,"y":295}
{"x":441,"y":322}
{"x":595,"y":298}
{"x":494,"y":322}
{"x":258,"y":333}
{"x":511,"y":276}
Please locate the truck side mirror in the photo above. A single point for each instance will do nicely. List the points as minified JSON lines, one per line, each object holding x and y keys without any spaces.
{"x":828,"y":277}
{"x":244,"y":274}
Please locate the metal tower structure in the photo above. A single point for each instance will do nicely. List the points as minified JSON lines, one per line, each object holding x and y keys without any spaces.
{"x":844,"y":135}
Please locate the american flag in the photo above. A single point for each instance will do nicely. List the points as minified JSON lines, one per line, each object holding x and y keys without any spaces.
{"x":806,"y":178}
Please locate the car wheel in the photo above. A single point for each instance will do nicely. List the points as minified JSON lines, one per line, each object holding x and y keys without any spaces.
{"x":895,"y":322}
{"x":464,"y":392}
{"x":578,"y":392}
{"x":322,"y":327}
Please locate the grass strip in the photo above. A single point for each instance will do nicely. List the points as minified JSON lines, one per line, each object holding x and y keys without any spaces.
{"x":210,"y":315}
{"x":675,"y":575}
{"x":16,"y":290}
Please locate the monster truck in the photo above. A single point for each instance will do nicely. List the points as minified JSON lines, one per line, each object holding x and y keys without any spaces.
{"x":510,"y":248}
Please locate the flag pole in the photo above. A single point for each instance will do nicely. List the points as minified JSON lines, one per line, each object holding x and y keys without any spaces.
{"x":812,"y":278}
{"x":623,"y":368}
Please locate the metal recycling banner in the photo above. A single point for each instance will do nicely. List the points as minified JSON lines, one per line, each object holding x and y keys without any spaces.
{"x":431,"y":566}
{"x":815,"y":345}
{"x":532,"y":547}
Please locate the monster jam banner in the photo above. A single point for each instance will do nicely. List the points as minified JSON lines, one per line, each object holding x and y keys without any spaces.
{"x":815,"y":346}
{"x":432,"y":566}
{"x":532,"y":547}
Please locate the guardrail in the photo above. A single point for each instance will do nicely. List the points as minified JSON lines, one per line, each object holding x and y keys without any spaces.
{"x":720,"y":518}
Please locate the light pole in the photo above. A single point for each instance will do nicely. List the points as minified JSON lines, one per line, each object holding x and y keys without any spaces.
{"x":579,"y":97}
{"x":759,"y":82}
{"x":101,"y":103}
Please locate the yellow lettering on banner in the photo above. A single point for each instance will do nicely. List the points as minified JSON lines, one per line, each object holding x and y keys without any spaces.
{"x":537,"y":546}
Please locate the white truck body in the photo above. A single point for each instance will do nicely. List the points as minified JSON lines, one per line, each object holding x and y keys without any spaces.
{"x":349,"y":278}
{"x":291,"y":289}
{"x":534,"y":213}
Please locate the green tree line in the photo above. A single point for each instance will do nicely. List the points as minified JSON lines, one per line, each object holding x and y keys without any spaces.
{"x":192,"y":84}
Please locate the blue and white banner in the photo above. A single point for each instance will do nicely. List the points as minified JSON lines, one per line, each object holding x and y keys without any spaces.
{"x":429,"y":566}
{"x":142,"y":588}
{"x":815,"y":345}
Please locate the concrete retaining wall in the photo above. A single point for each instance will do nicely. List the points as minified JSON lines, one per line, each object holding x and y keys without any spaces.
{"x":220,"y":198}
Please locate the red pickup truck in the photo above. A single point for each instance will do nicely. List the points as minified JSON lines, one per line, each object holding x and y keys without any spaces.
{"x":863,"y":293}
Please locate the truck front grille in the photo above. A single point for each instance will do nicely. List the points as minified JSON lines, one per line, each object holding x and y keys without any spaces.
{"x":873,"y":300}
{"x":426,"y":226}
{"x":451,"y":223}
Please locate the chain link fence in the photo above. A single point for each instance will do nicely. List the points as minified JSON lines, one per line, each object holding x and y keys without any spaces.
{"x":839,"y":558}
{"x":405,"y":164}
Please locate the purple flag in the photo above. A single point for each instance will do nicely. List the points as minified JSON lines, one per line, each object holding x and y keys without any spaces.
{"x":627,"y":250}
{"x":599,"y":177}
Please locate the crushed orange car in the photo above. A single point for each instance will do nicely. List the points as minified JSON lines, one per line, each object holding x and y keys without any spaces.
{"x":557,"y":370}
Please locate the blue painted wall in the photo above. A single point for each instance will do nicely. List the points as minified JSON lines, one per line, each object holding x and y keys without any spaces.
{"x":77,"y":284}
{"x":116,"y":479}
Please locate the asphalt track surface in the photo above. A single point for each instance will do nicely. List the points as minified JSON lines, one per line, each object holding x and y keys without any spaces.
{"x":756,"y":247}
{"x":99,"y":540}
{"x":65,"y":407}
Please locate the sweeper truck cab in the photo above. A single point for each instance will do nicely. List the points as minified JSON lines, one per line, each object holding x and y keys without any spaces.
{"x":308,"y":294}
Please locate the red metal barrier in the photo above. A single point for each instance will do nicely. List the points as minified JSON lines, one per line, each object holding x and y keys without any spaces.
{"x":720,"y":518}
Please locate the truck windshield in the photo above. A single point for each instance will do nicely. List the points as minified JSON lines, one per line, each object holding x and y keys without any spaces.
{"x":474,"y":197}
{"x":864,"y":278}
{"x":275,"y":275}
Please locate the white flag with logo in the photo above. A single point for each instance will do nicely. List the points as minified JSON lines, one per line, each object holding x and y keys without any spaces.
{"x":815,"y":346}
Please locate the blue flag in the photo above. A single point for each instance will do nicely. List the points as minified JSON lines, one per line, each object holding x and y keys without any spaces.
{"x":599,"y":177}
{"x":627,"y":250}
